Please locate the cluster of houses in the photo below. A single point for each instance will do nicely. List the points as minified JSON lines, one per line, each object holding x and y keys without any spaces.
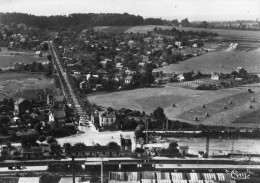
{"x":124,"y":149}
{"x":43,"y":150}
{"x":51,"y":110}
{"x":250,"y":25}
{"x":233,"y":46}
{"x":126,"y":54}
{"x":163,"y":77}
{"x":21,"y":36}
{"x":19,"y":66}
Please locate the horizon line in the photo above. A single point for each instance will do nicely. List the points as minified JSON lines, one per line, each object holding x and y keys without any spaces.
{"x":145,"y":17}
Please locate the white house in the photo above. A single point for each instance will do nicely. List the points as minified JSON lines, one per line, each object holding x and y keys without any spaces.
{"x":131,"y":43}
{"x":178,"y":43}
{"x":128,"y":79}
{"x":183,"y":150}
{"x":88,"y":76}
{"x":83,"y":85}
{"x":233,"y":46}
{"x":77,"y":74}
{"x":38,"y":53}
{"x":145,"y":58}
{"x":181,"y":77}
{"x":106,"y":118}
{"x":164,"y":64}
{"x":119,"y":65}
{"x":217,"y":76}
{"x":129,"y":72}
{"x":103,"y":63}
{"x":141,"y":64}
{"x":195,"y":45}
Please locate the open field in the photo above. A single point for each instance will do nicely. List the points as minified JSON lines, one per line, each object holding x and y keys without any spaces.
{"x":252,"y":35}
{"x":145,"y":99}
{"x":214,"y":102}
{"x":112,"y":28}
{"x":253,"y":117}
{"x":221,"y":61}
{"x":247,"y":40}
{"x":8,"y":58}
{"x":231,"y":34}
{"x":217,"y":106}
{"x":188,"y":103}
{"x":11,"y":83}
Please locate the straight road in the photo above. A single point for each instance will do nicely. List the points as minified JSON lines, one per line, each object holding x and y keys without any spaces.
{"x":205,"y":166}
{"x":24,"y":169}
{"x":73,"y":97}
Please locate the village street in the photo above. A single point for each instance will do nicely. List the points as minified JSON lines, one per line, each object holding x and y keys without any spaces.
{"x":89,"y":134}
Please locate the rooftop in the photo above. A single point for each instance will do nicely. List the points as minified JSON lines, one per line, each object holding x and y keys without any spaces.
{"x":19,"y":101}
{"x":96,"y":149}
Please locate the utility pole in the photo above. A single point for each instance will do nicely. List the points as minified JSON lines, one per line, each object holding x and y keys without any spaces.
{"x":163,"y":127}
{"x":146,"y":131}
{"x":233,"y":143}
{"x":73,"y":171}
{"x":167,"y":121}
{"x":207,"y":146}
{"x":102,"y":170}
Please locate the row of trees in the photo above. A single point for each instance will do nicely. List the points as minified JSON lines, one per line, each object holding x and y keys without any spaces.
{"x":181,"y":33}
{"x":84,"y":20}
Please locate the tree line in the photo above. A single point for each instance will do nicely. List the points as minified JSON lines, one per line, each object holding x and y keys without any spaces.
{"x":78,"y":19}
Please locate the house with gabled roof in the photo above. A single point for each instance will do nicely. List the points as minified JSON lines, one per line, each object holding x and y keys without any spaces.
{"x":107,"y":118}
{"x":96,"y":151}
{"x":217,"y":76}
{"x":241,"y":71}
{"x":126,"y":145}
{"x":21,"y":105}
{"x":128,"y":79}
{"x":32,"y":153}
{"x":57,"y":118}
{"x":84,"y":86}
{"x":181,"y":77}
{"x":37,"y":95}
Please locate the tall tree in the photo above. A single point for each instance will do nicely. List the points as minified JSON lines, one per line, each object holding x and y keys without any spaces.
{"x":159,"y":113}
{"x":51,"y":140}
{"x":173,"y":148}
{"x":113,"y":145}
{"x":42,"y":138}
{"x":67,"y":147}
{"x":185,"y":22}
{"x":55,"y":149}
{"x":139,"y":131}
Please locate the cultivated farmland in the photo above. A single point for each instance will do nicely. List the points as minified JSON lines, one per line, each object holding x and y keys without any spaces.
{"x":11,"y":83}
{"x":253,"y":35}
{"x":8,"y":58}
{"x":112,"y":28}
{"x":222,"y":61}
{"x":188,"y":102}
{"x":145,"y":99}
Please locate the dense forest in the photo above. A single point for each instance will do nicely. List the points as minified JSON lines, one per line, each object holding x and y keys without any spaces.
{"x":85,"y":20}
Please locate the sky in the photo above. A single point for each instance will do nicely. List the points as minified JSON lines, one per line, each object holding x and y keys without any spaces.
{"x":194,"y":10}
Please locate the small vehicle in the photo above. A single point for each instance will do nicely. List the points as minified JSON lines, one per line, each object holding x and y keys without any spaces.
{"x":250,"y":91}
{"x":11,"y":167}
